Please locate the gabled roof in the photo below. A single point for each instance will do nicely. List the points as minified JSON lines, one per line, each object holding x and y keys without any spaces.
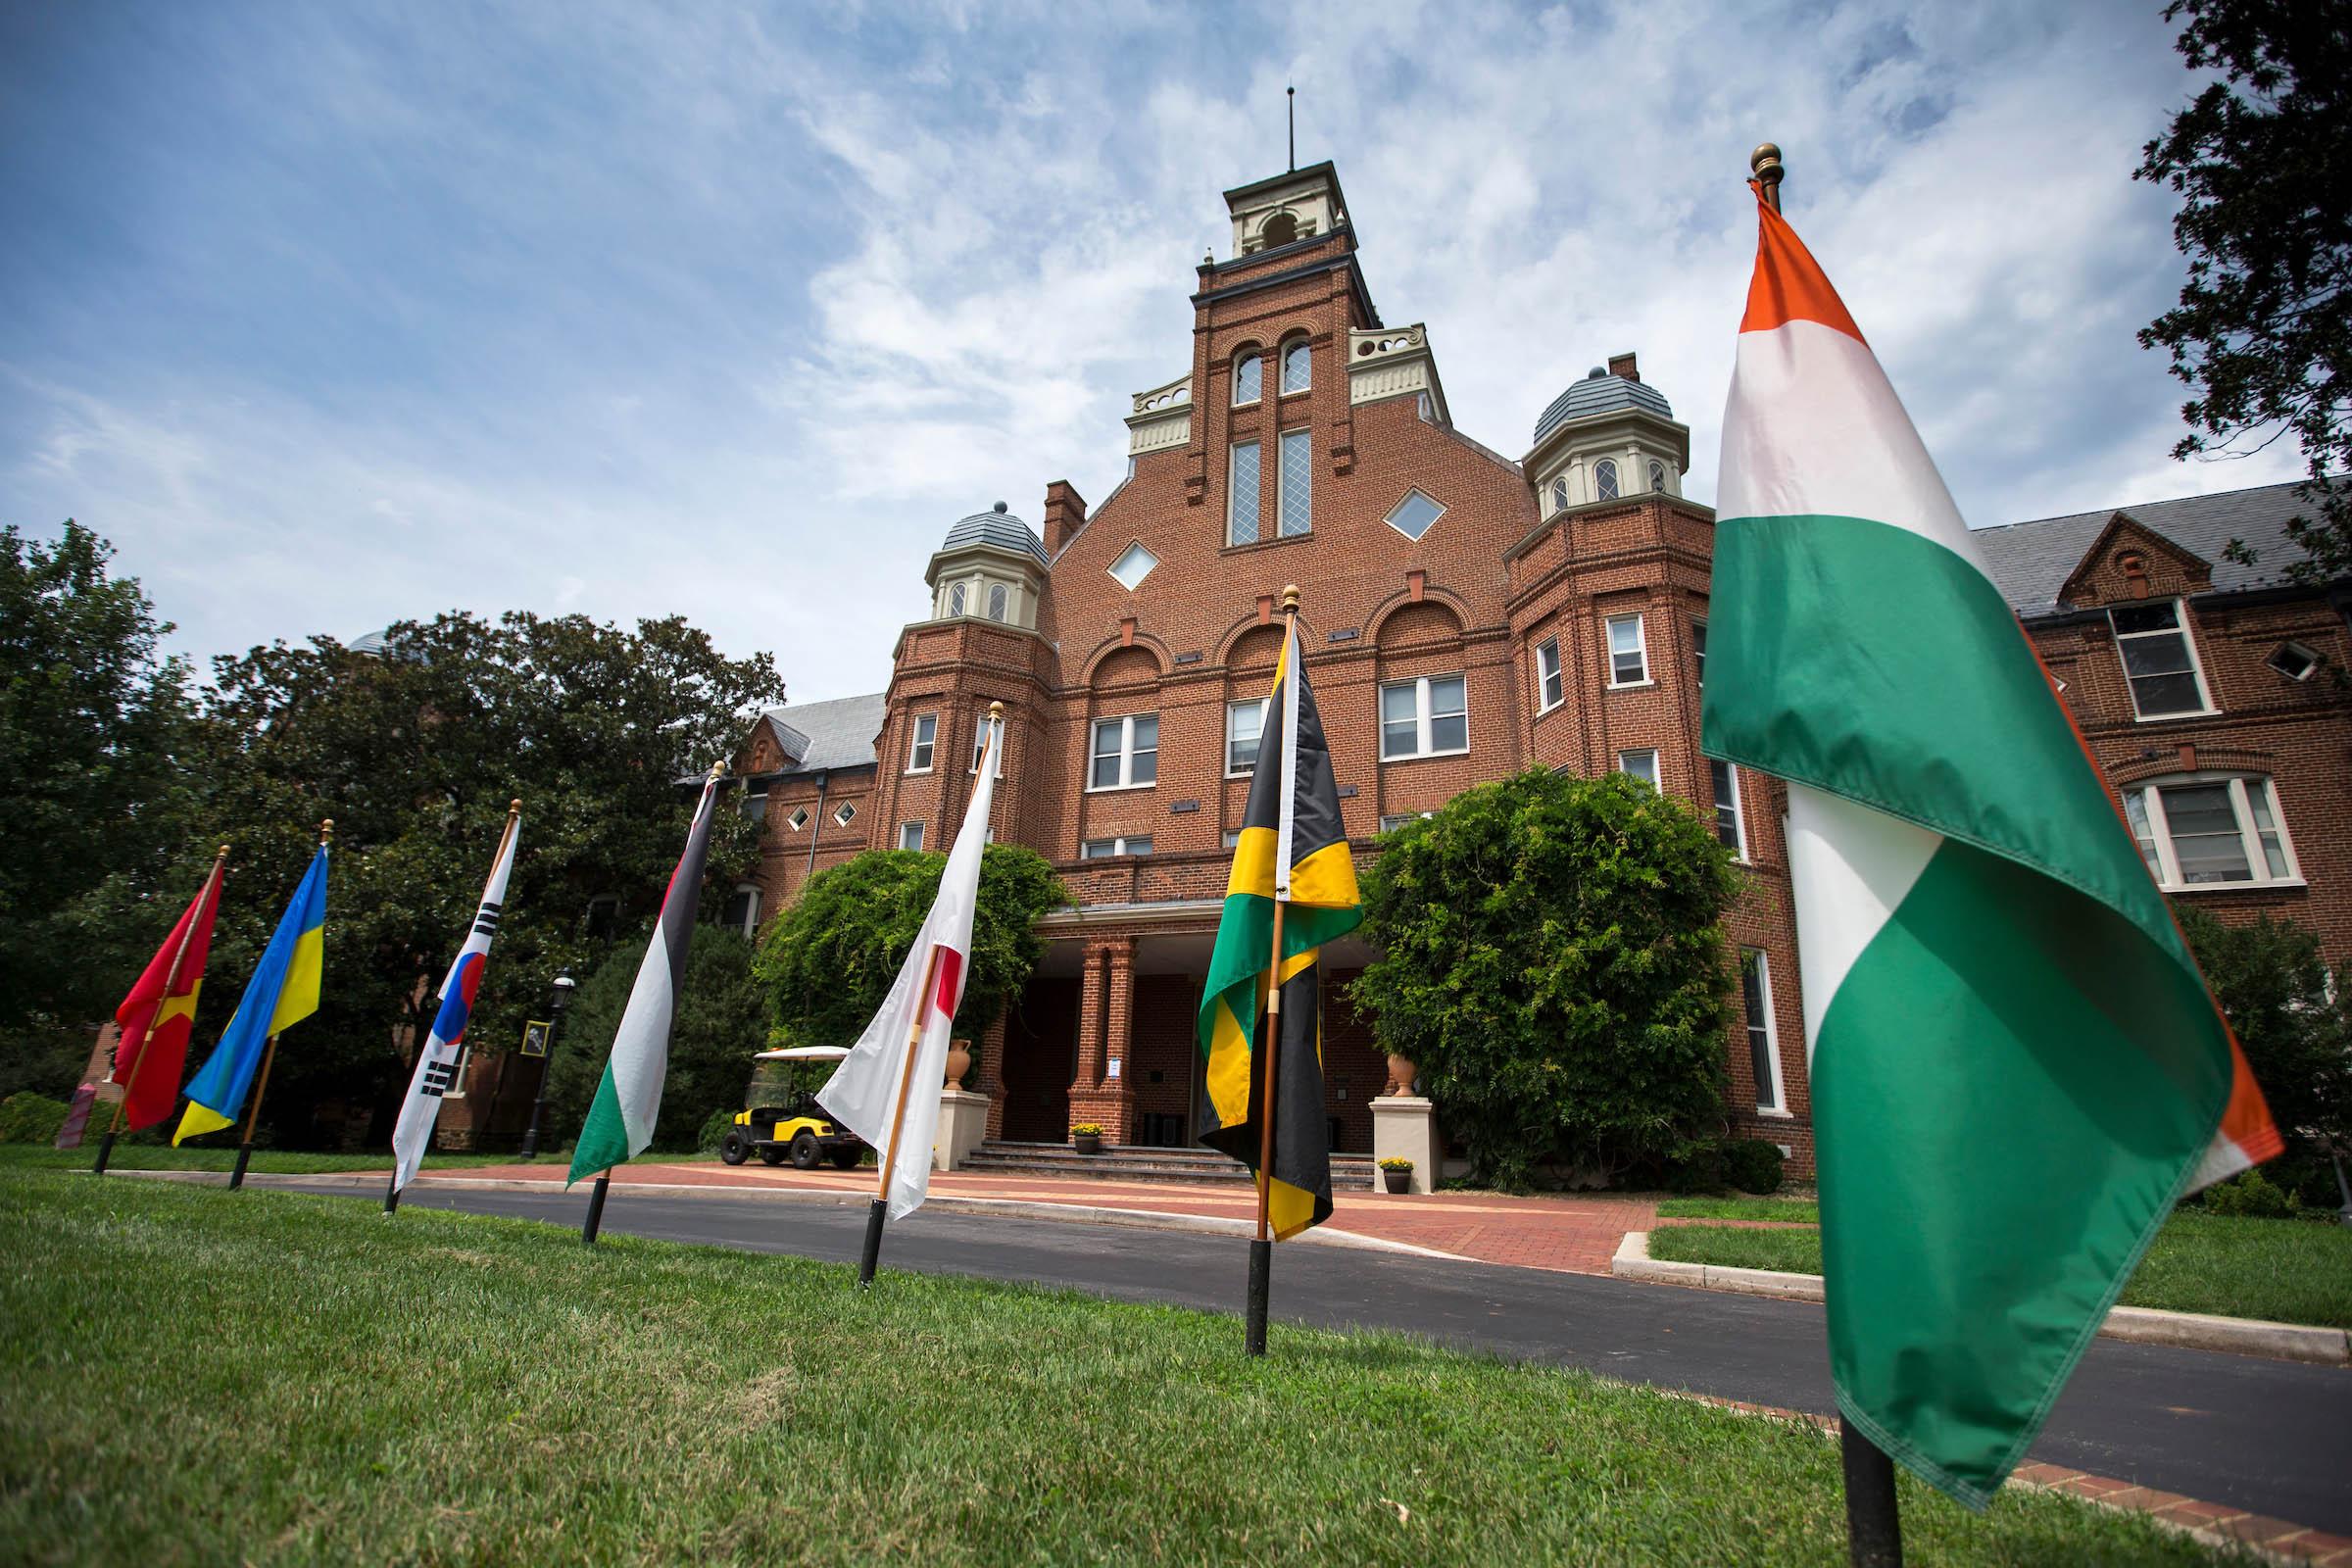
{"x":821,"y":735}
{"x":2030,"y":561}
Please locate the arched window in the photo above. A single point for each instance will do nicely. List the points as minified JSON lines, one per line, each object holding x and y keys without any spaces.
{"x":1657,"y":476}
{"x":1280,"y":230}
{"x":1248,"y":371}
{"x":1297,"y":367}
{"x":997,"y":595}
{"x":1559,"y":494}
{"x":956,"y":599}
{"x":1605,"y":479}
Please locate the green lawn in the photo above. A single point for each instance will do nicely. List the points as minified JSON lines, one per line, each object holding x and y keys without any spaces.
{"x":197,"y":1376}
{"x":2285,"y":1270}
{"x":1788,"y":1210}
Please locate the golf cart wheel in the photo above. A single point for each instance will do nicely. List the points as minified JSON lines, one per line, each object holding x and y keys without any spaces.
{"x":772,"y":1155}
{"x":736,"y":1146}
{"x":804,"y":1151}
{"x":846,"y":1158}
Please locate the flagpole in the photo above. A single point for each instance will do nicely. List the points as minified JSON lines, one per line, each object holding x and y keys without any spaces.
{"x":879,"y":1212}
{"x":392,"y":1181}
{"x":1874,"y":1524}
{"x":211,"y":892}
{"x":1261,"y":1248}
{"x":261,"y":1086}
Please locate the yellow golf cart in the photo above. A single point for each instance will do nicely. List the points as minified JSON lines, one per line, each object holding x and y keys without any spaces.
{"x":799,"y":1130}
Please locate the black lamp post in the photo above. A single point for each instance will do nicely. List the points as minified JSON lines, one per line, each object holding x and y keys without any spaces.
{"x":564,"y":989}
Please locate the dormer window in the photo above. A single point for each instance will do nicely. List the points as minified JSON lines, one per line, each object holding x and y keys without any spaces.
{"x":1298,"y":368}
{"x":1605,"y":479}
{"x":1247,"y":373}
{"x":2160,"y":661}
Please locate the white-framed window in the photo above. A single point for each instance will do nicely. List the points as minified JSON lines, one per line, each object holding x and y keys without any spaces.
{"x":1657,"y":476}
{"x":1559,"y":494}
{"x":1605,"y":479}
{"x":924,"y":742}
{"x":1763,"y":1038}
{"x":955,"y":599}
{"x":844,"y":814}
{"x":799,"y":818}
{"x":1240,"y":496}
{"x":1134,"y":564}
{"x":910,"y":835}
{"x":1698,"y":654}
{"x":979,"y":745}
{"x":1104,"y":848}
{"x":1629,"y":651}
{"x":1548,"y":686}
{"x":1000,"y":600}
{"x":742,"y":910}
{"x":2200,"y":830}
{"x":1125,"y":753}
{"x":1729,"y":826}
{"x":755,"y":799}
{"x":1390,"y":825}
{"x":1298,"y":494}
{"x":2160,"y":660}
{"x":1414,"y":515}
{"x":1249,"y":374}
{"x":2293,"y":660}
{"x":1297,"y":368}
{"x":1245,"y":722}
{"x":1425,"y":718}
{"x":1641,"y":764}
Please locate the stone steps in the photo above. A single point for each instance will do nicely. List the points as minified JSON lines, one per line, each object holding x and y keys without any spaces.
{"x":1137,"y":1163}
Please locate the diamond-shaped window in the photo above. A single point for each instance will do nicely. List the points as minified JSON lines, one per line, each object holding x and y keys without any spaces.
{"x":1415,"y":514}
{"x":1134,"y":564}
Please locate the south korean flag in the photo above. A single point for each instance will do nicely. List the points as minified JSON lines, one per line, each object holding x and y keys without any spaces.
{"x":438,"y":1063}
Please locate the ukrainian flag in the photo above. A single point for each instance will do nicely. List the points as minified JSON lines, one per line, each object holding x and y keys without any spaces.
{"x":1292,"y":850}
{"x":283,"y":991}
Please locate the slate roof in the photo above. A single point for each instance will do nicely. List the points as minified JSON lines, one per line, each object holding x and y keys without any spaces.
{"x":996,"y":528}
{"x":1599,"y":392}
{"x":2030,"y":562}
{"x":837,"y":734}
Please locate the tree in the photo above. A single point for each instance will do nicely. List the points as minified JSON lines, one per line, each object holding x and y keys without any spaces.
{"x":415,"y":753}
{"x":828,"y":962}
{"x":90,"y":721}
{"x":1552,"y":959}
{"x":721,"y":1021}
{"x":2273,"y":985}
{"x":2262,"y":159}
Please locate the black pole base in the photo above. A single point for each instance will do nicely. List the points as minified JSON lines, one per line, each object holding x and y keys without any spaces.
{"x":236,"y":1177}
{"x":530,"y":1136}
{"x":596,"y":1210}
{"x":106,"y":1152}
{"x":867,"y":1260}
{"x":1261,"y":1277}
{"x":392,"y":1193}
{"x":1874,"y":1529}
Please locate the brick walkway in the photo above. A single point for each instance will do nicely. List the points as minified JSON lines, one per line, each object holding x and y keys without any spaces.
{"x":1571,"y":1235}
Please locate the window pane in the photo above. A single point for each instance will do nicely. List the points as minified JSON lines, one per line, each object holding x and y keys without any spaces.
{"x":754,"y":804}
{"x":2204,"y":833}
{"x":956,"y":599}
{"x":996,"y":600}
{"x":1559,"y":494}
{"x":1244,"y":723}
{"x":1241,"y":508}
{"x":1296,"y":366}
{"x":1753,"y":999}
{"x":1625,"y":663}
{"x":1134,"y":564}
{"x":1396,"y":704}
{"x":1400,"y":738}
{"x":1446,"y":694}
{"x":2266,"y":825}
{"x":1135,"y":846}
{"x":2128,"y":619}
{"x":1143,"y":765}
{"x":1727,"y":806}
{"x":1641,"y":764}
{"x":1413,"y":516}
{"x":1657,"y":474}
{"x":738,"y":911}
{"x":1095,"y":849}
{"x":1548,"y":666}
{"x":910,"y":835}
{"x":1698,"y":651}
{"x":1146,"y":732}
{"x":1448,"y":732}
{"x":1245,"y":376}
{"x":2136,"y":808}
{"x":1297,"y":482}
{"x":1605,"y":479}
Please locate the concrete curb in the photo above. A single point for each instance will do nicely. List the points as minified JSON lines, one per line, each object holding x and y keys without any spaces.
{"x":945,"y":1203}
{"x":2142,"y":1325}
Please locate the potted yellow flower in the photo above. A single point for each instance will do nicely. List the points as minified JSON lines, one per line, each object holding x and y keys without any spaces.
{"x":1397,"y":1174}
{"x":1088,"y":1136}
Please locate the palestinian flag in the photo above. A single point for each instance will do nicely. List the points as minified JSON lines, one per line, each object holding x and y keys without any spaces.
{"x":1293,"y":850}
{"x":2016,"y":1067}
{"x":628,"y":1098}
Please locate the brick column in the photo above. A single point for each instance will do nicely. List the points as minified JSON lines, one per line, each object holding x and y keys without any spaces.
{"x":1091,"y":1002}
{"x":988,"y":1076}
{"x":1118,"y":1041}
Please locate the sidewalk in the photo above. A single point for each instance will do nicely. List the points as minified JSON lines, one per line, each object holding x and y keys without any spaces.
{"x":1567,"y":1235}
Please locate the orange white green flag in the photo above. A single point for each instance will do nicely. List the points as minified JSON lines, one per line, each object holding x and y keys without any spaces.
{"x":2016,"y":1067}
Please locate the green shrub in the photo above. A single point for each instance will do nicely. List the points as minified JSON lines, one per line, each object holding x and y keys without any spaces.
{"x":29,"y":1119}
{"x":1752,"y":1165}
{"x":715,"y":1131}
{"x":2249,"y":1196}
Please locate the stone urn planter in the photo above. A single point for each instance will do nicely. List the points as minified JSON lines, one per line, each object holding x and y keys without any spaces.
{"x":1400,"y":1075}
{"x":1087,"y":1138}
{"x":959,"y":1062}
{"x":1397,"y":1175}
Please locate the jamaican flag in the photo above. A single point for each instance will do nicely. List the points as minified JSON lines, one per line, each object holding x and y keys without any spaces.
{"x":1293,"y":850}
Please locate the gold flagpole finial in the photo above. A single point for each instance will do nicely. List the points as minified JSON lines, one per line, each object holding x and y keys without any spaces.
{"x":1765,"y":163}
{"x":719,"y":771}
{"x":996,"y":712}
{"x":515,"y":806}
{"x":326,"y":830}
{"x":223,"y":855}
{"x":1289,"y":598}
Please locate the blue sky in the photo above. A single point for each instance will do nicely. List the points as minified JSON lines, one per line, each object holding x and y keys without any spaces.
{"x":331,"y":316}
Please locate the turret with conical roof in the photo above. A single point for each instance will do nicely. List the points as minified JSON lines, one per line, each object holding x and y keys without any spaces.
{"x":1609,"y":437}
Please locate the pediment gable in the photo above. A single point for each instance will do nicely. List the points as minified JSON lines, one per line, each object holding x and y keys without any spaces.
{"x":2131,"y":560}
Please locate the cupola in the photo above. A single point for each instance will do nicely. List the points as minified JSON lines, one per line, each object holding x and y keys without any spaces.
{"x":991,"y":567}
{"x":1609,"y":437}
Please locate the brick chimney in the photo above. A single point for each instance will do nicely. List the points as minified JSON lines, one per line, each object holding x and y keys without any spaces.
{"x":1065,"y":514}
{"x":1623,"y":364}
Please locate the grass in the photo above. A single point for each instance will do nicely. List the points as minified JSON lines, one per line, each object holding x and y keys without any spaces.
{"x":268,"y":1161}
{"x":1789,"y":1210}
{"x":188,"y":1375}
{"x":2283,"y":1270}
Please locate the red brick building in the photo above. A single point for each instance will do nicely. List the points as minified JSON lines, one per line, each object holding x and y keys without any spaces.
{"x":1466,"y":617}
